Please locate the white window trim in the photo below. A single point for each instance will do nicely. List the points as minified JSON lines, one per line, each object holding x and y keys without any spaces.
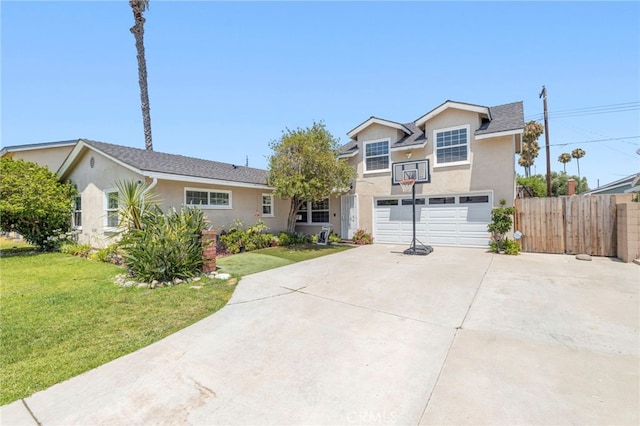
{"x":106,"y":210}
{"x":209,"y":191}
{"x":364,"y":155}
{"x":75,"y":210}
{"x":435,"y":146}
{"x":310,"y":215}
{"x":262,"y":204}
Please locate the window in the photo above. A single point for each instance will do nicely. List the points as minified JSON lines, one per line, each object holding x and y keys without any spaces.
{"x":474,"y":199}
{"x":376,"y":156}
{"x":77,"y":212}
{"x":319,"y":212}
{"x":111,"y":210}
{"x":387,"y":203}
{"x":442,"y":200}
{"x":213,"y":199}
{"x":452,"y":145}
{"x":409,"y":201}
{"x":267,"y":205}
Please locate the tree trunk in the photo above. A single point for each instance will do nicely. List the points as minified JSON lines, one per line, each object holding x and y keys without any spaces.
{"x":293,"y":211}
{"x":138,"y":32}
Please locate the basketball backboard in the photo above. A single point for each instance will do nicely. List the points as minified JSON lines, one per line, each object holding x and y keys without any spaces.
{"x":402,"y":170}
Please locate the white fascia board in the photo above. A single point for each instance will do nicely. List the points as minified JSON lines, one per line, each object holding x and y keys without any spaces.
{"x":449,"y":104}
{"x":194,"y":179}
{"x":498,"y":134}
{"x":409,"y":147}
{"x":352,"y":154}
{"x":373,"y":120}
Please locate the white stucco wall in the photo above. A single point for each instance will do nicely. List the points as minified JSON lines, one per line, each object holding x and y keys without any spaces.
{"x":50,"y":157}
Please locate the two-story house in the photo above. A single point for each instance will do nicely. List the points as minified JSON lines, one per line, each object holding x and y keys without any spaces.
{"x":464,"y":158}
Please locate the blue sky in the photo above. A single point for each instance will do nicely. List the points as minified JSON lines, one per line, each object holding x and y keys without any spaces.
{"x":226,"y":78}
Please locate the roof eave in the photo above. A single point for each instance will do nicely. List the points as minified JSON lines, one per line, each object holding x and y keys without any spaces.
{"x":410,"y":147}
{"x":209,"y":181}
{"x":374,"y":120}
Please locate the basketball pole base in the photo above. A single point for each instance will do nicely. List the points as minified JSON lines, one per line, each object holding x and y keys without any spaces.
{"x":416,"y":250}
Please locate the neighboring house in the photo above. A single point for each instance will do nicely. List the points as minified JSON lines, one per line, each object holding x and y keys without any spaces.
{"x":464,"y":155}
{"x":225,"y":192}
{"x":620,"y":186}
{"x":49,"y":154}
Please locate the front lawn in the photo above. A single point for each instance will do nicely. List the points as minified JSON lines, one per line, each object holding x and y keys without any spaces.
{"x":273,"y":257}
{"x":62,"y":315}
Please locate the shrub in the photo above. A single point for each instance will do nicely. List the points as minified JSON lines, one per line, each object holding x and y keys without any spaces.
{"x":500,"y":224}
{"x":236,"y":239}
{"x":334,"y":238}
{"x":361,"y":237}
{"x":166,"y":247}
{"x":75,"y":249}
{"x":510,"y":247}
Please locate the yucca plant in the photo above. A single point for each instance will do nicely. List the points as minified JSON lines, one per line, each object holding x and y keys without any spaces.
{"x":137,"y":204}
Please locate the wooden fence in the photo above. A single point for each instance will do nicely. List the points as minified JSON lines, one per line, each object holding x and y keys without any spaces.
{"x":572,"y":225}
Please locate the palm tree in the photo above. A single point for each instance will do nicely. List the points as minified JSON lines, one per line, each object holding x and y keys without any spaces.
{"x":138,"y":7}
{"x":578,"y":153}
{"x":564,"y":158}
{"x":530,"y":147}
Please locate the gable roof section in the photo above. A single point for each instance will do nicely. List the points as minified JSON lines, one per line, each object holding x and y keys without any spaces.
{"x":415,"y":139}
{"x":452,"y":104}
{"x":375,"y":120}
{"x":161,"y":165}
{"x":34,"y":146}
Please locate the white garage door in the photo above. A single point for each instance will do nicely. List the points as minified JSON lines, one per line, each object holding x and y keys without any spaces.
{"x":456,"y":220}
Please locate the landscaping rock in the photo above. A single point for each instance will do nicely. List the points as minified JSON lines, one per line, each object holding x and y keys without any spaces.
{"x":583,"y":257}
{"x":197,"y":287}
{"x":222,"y":276}
{"x":178,"y":281}
{"x":129,"y":284}
{"x":143,"y":285}
{"x":196,"y":279}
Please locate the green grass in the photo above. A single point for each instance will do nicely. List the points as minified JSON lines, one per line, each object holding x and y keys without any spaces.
{"x":9,"y":247}
{"x":273,"y":257}
{"x":62,"y":315}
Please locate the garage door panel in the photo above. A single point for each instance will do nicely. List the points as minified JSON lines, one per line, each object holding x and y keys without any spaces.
{"x":445,"y":225}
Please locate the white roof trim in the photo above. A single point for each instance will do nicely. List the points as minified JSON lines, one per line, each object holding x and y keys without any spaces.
{"x":498,"y":134}
{"x":409,"y":147}
{"x":194,"y":179}
{"x":373,"y":120}
{"x":71,"y":158}
{"x":353,"y":153}
{"x":450,"y":104}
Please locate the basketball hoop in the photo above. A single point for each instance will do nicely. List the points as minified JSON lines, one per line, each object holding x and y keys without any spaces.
{"x":407,"y":184}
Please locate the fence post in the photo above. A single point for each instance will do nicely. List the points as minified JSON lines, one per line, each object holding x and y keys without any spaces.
{"x":208,"y":250}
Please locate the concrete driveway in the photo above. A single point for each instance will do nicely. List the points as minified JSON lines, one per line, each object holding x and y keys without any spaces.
{"x":370,"y":336}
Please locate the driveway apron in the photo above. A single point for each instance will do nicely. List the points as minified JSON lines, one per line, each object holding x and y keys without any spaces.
{"x":370,"y":336}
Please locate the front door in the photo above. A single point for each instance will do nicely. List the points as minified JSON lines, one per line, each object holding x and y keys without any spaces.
{"x":349,"y":215}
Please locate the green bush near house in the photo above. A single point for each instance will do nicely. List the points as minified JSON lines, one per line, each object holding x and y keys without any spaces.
{"x":167,"y":246}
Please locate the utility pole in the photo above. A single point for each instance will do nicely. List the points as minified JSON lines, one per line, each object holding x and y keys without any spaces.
{"x":543,"y":95}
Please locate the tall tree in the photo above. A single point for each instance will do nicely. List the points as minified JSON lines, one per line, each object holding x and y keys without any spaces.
{"x":530,"y":147}
{"x":578,"y":153}
{"x":138,"y":7}
{"x":304,"y":167}
{"x":564,"y":158}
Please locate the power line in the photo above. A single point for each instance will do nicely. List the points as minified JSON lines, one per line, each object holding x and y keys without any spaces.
{"x":595,"y":140}
{"x":594,"y":110}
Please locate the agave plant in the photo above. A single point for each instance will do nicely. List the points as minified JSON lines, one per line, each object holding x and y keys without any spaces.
{"x":137,"y":204}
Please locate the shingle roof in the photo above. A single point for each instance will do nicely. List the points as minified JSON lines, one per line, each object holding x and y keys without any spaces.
{"x":159,"y":162}
{"x":504,"y":118}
